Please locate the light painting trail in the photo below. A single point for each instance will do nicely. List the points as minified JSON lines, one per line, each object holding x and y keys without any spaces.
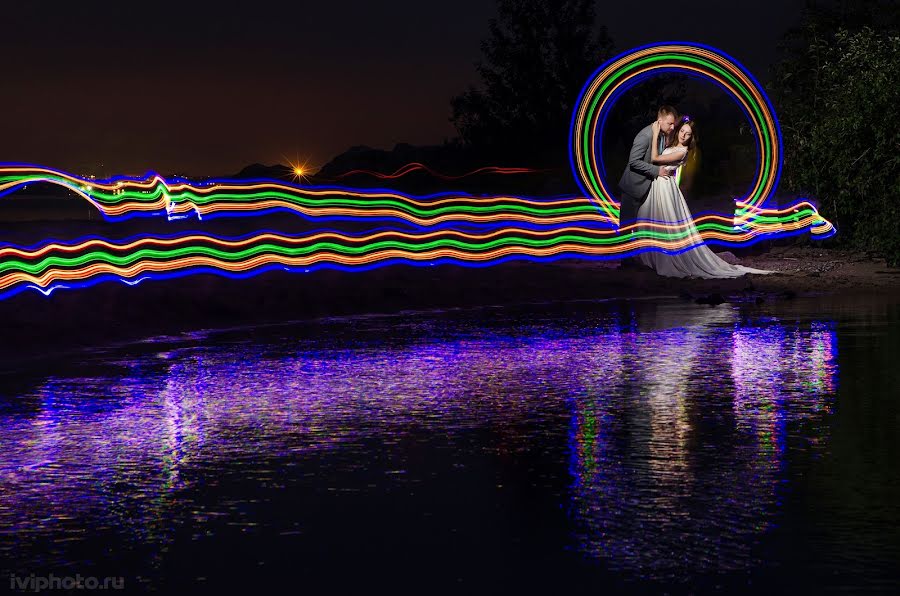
{"x":456,"y":228}
{"x":623,"y":72}
{"x":121,"y":198}
{"x":415,"y":167}
{"x":88,"y":261}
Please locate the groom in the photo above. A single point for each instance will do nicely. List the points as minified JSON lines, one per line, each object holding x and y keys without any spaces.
{"x":639,"y":173}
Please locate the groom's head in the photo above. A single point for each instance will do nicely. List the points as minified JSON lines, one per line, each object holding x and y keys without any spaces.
{"x":666,"y":117}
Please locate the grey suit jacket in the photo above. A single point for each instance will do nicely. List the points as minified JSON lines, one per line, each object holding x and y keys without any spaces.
{"x":639,"y":172}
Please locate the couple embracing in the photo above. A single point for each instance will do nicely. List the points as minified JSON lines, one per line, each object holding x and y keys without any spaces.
{"x":651,"y":195}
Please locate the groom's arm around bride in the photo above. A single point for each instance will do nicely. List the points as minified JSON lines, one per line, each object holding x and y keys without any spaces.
{"x":640,"y":172}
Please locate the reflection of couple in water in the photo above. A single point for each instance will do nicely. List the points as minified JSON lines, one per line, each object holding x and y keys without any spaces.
{"x":650,"y":181}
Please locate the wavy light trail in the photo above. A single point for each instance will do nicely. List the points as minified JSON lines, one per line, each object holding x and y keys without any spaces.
{"x":121,"y":198}
{"x":59,"y":264}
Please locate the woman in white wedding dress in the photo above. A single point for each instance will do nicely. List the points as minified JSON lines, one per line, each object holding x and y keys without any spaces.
{"x":665,"y":204}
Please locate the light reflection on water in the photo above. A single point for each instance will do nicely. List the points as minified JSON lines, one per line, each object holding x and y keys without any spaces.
{"x":680,"y":469}
{"x":676,"y":426}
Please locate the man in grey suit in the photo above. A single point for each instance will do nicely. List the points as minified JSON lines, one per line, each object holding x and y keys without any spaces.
{"x":640,"y":172}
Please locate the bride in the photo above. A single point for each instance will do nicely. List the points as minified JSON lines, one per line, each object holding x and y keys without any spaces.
{"x":665,"y":204}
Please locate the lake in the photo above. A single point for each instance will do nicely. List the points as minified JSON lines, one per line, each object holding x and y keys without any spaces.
{"x":643,"y":446}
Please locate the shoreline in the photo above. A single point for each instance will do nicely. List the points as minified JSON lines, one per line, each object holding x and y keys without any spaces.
{"x":37,"y":327}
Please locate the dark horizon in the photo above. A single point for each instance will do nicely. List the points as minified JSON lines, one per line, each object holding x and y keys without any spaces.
{"x":206,"y":94}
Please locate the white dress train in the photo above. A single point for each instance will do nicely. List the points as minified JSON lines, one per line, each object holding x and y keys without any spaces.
{"x":666,"y":204}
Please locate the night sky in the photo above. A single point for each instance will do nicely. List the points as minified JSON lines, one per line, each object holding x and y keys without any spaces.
{"x":100,"y":88}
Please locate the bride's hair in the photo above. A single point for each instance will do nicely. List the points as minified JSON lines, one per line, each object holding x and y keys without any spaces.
{"x":686,"y":121}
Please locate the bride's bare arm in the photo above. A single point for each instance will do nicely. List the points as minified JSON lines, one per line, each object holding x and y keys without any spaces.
{"x":654,"y":143}
{"x":669,"y":158}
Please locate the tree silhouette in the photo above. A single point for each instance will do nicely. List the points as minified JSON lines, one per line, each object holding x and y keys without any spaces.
{"x":835,"y":91}
{"x":536,"y":58}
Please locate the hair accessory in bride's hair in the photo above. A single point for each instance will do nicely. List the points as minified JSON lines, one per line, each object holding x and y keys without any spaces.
{"x":686,"y":118}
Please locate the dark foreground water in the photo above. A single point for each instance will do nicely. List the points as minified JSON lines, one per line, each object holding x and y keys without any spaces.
{"x":651,"y":446}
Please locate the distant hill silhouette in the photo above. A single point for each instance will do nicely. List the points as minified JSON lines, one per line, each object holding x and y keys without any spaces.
{"x":448,"y":159}
{"x":258,"y":170}
{"x":353,"y":168}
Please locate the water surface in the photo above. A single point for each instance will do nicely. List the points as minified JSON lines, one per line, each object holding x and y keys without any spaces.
{"x":625,"y":447}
